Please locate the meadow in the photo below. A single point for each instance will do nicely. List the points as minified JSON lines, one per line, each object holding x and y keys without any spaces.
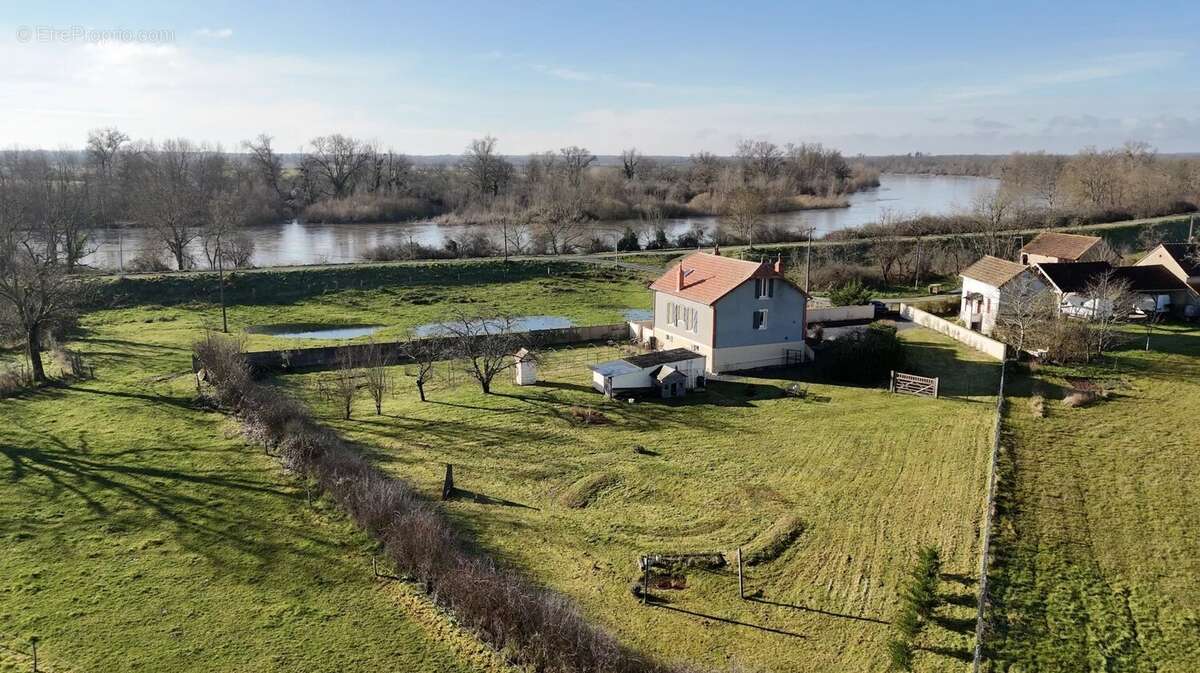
{"x":1097,"y":553}
{"x":832,"y":494}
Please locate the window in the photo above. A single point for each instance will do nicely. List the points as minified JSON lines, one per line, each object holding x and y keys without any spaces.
{"x":759,"y":320}
{"x":764,"y":288}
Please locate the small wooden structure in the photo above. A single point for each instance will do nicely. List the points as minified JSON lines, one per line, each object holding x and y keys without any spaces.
{"x":911,"y":384}
{"x":526,"y":367}
{"x":671,"y":382}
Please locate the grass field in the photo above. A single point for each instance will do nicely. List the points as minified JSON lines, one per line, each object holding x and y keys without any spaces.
{"x":1098,"y":553}
{"x":859,"y":478}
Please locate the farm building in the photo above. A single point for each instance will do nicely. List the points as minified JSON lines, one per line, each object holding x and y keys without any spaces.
{"x":1161,"y":291}
{"x":987,"y":284}
{"x":671,"y":373}
{"x":1182,"y":260}
{"x":1056,"y":247}
{"x":737,"y":314}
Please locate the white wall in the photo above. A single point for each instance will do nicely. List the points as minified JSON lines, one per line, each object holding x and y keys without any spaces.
{"x":839,"y":313}
{"x":979,"y":342}
{"x":704,"y":327}
{"x":991,"y":303}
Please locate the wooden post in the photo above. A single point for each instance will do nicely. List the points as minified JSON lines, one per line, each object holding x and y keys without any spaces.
{"x":741,"y":578}
{"x":448,"y":482}
{"x":33,"y":643}
{"x":935,"y":386}
{"x":645,"y":579}
{"x":892,"y":382}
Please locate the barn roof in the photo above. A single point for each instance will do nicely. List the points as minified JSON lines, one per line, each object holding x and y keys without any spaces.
{"x":656,"y":358}
{"x":1187,"y":255}
{"x":993,"y":271}
{"x":1060,"y":245}
{"x":708,"y":277}
{"x":1076,"y":276}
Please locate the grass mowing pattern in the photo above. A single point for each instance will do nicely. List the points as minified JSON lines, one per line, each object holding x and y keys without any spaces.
{"x":873,"y":476}
{"x":1097,"y":552}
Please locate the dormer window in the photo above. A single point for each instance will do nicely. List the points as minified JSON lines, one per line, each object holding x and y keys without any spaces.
{"x":764,"y":288}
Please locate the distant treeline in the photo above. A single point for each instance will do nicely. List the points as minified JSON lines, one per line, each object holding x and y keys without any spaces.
{"x":978,"y":165}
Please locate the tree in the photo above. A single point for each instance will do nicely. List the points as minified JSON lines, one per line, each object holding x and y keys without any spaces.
{"x":1036,"y":174}
{"x":575,"y":161}
{"x":340,"y":386}
{"x":1026,"y":308}
{"x":340,"y":160}
{"x":103,"y":151}
{"x":991,"y":214}
{"x":745,"y":212}
{"x":268,"y":167}
{"x":377,"y":378}
{"x":35,"y":291}
{"x":487,"y":171}
{"x":629,"y":163}
{"x":487,"y":344}
{"x":759,"y":158}
{"x":425,"y":354}
{"x":176,"y":183}
{"x":1110,"y":302}
{"x":559,"y":218}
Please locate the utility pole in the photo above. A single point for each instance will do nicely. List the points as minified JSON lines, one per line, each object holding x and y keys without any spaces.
{"x":808,"y":258}
{"x":221,"y":279}
{"x":917,"y":269}
{"x":504,"y":223}
{"x":1192,"y":228}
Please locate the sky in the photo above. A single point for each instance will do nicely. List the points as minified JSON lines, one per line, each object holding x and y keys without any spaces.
{"x":668,"y":78}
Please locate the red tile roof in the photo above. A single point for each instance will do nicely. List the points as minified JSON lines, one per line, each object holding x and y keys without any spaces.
{"x":1060,"y":245}
{"x":708,"y":277}
{"x":993,"y":271}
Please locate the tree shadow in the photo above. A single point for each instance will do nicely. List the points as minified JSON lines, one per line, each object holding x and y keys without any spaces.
{"x":961,"y":655}
{"x":963,"y":580}
{"x":955,"y":624}
{"x":724,"y":620}
{"x":818,"y":611}
{"x":457,"y":493}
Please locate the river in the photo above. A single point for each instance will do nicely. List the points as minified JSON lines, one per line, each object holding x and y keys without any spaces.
{"x":294,"y":243}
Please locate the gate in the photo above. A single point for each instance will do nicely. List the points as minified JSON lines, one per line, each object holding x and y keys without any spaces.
{"x":911,"y":384}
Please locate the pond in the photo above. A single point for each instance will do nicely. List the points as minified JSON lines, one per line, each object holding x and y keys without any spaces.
{"x":519,"y":324}
{"x":638,"y":314}
{"x":314,"y":331}
{"x":293,"y":243}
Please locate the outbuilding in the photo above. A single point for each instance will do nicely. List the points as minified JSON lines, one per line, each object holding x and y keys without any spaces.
{"x":670,"y":372}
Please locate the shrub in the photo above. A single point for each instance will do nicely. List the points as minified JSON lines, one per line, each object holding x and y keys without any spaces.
{"x":370,"y":208}
{"x":629,"y":241}
{"x":850,"y":294}
{"x":15,"y":378}
{"x":864,"y":356}
{"x":588,"y":415}
{"x":147,"y":261}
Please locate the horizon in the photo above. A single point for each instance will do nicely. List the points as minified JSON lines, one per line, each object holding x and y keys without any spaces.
{"x":425,"y":79}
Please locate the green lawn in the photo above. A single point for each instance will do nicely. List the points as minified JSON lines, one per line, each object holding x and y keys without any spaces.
{"x":869,"y":476}
{"x":1098,"y":556}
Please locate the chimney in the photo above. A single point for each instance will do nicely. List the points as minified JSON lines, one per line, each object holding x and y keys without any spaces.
{"x":717,"y":249}
{"x":679,"y":278}
{"x":779,"y":264}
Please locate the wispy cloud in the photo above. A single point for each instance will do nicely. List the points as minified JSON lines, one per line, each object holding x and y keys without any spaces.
{"x":570,"y":74}
{"x":1104,"y":67}
{"x":215,"y":33}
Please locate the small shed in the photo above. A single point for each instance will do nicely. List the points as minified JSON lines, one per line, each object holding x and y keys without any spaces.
{"x":525,"y":368}
{"x":670,"y":382}
{"x":643,"y":372}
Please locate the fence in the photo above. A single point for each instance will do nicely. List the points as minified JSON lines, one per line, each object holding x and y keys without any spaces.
{"x":911,"y":384}
{"x":841,"y":313}
{"x":975,"y":340}
{"x":988,"y":519}
{"x":325,"y":357}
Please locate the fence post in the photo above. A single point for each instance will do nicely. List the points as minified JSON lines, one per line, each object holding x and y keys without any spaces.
{"x":645,"y":579}
{"x":741,"y":578}
{"x":33,"y":641}
{"x":892,"y":382}
{"x":936,"y":380}
{"x":448,"y":482}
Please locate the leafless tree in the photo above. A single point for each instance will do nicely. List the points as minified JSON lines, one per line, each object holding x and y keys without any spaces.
{"x":560,"y":218}
{"x":425,"y":354}
{"x":340,"y":160}
{"x":745,"y":212}
{"x":103,"y":150}
{"x":575,"y":161}
{"x":991,"y":214}
{"x":267,"y":166}
{"x":486,"y":343}
{"x":340,"y":386}
{"x":1026,"y":308}
{"x":486,"y":169}
{"x":759,"y":158}
{"x":1111,"y":302}
{"x":630,"y":159}
{"x":377,"y":377}
{"x":35,"y":291}
{"x":177,"y":182}
{"x":1036,"y":174}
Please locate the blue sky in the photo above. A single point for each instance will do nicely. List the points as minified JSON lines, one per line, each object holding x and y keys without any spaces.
{"x":668,"y":78}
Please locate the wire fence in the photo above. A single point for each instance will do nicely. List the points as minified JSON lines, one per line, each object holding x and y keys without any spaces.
{"x":551,"y":360}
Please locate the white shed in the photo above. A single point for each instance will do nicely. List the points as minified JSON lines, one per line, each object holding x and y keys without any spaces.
{"x":642,"y":371}
{"x":526,"y":367}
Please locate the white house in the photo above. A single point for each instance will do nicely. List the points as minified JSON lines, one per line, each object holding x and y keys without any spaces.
{"x":987,"y":284}
{"x":737,"y":314}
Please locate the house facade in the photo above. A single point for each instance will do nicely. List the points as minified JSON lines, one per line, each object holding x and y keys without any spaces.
{"x":987,"y":284}
{"x":738,"y":314}
{"x":1056,"y":247}
{"x":1159,"y":290}
{"x":1181,"y":260}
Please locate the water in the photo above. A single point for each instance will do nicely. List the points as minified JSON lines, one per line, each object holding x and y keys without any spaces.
{"x":311,"y":331}
{"x":637,"y":314}
{"x":302,"y":243}
{"x":519,"y":324}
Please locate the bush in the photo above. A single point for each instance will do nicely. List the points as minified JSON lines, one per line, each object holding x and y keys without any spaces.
{"x":15,"y":379}
{"x":629,"y":241}
{"x":850,"y":294}
{"x":147,"y":261}
{"x":360,"y":208}
{"x":865,"y":357}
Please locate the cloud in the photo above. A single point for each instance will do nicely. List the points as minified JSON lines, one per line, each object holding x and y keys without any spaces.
{"x":215,"y":33}
{"x":984,"y":124}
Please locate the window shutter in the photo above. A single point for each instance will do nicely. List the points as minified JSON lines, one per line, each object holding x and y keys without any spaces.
{"x":771,"y":287}
{"x":757,"y":320}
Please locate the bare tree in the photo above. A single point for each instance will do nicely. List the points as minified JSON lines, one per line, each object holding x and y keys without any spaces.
{"x":560,"y":218}
{"x":486,"y":343}
{"x":991,"y":214}
{"x":377,"y":377}
{"x":340,"y":160}
{"x":575,"y":161}
{"x":103,"y":151}
{"x":745,"y":212}
{"x":759,"y":158}
{"x":1036,"y":174}
{"x":340,"y":386}
{"x":177,"y":182}
{"x":630,"y":159}
{"x":268,"y":168}
{"x":1026,"y":308}
{"x":425,"y":354}
{"x":1110,"y":302}
{"x":487,"y":171}
{"x":35,"y":291}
